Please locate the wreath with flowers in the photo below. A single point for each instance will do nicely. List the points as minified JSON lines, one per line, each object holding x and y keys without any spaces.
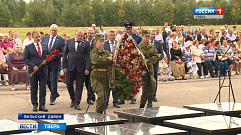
{"x":130,"y":68}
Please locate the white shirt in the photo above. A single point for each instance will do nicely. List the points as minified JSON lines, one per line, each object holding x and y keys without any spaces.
{"x":36,"y":46}
{"x":52,"y":42}
{"x":102,"y":32}
{"x":117,"y":37}
{"x":151,"y":42}
{"x":76,"y":44}
{"x":159,"y":37}
{"x":167,"y":29}
{"x":111,"y":45}
{"x":27,"y":42}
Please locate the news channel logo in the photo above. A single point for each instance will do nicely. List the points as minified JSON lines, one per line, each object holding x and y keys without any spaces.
{"x":42,"y":126}
{"x":208,"y":13}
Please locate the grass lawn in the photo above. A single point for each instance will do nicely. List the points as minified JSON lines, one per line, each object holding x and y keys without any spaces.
{"x":71,"y":30}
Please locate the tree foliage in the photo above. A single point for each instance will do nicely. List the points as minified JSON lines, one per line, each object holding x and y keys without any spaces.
{"x":38,"y":13}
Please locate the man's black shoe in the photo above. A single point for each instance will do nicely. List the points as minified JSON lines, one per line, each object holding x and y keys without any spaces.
{"x":72,"y":104}
{"x":35,"y":108}
{"x":77,"y":107}
{"x":90,"y":102}
{"x":51,"y":103}
{"x":43,"y":109}
{"x":154,"y":99}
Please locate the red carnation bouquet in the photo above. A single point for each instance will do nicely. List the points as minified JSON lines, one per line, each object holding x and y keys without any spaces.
{"x":129,"y":64}
{"x":48,"y":58}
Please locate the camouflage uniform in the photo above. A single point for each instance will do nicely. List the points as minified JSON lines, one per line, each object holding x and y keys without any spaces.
{"x":152,"y":57}
{"x":99,"y":62}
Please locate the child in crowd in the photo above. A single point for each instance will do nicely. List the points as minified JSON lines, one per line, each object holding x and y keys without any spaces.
{"x":164,"y":69}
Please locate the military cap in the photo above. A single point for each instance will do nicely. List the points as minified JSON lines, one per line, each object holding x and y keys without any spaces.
{"x":128,"y":25}
{"x":145,"y":32}
{"x":99,"y":36}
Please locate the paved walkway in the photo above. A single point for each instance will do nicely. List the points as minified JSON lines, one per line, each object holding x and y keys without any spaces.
{"x":176,"y":93}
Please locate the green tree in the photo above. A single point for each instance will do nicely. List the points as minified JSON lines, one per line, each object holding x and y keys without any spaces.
{"x":4,"y":15}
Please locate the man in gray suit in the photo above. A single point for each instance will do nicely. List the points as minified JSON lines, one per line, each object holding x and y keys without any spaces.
{"x":53,"y":42}
{"x":76,"y":64}
{"x":109,"y":46}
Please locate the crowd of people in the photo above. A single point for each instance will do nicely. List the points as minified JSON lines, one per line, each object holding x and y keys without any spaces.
{"x":201,"y":53}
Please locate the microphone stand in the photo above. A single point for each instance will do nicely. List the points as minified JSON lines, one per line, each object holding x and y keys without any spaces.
{"x":221,"y":84}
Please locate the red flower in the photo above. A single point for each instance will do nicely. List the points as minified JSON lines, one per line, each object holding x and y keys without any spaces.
{"x":49,"y":58}
{"x":62,"y":76}
{"x":123,"y":39}
{"x":52,"y":52}
{"x":120,"y":64}
{"x":122,"y":53}
{"x":56,"y":52}
{"x":132,"y":77}
{"x":124,"y":65}
{"x":125,"y":36}
{"x":111,"y":52}
{"x":129,"y":50}
{"x":129,"y":61}
{"x":126,"y":53}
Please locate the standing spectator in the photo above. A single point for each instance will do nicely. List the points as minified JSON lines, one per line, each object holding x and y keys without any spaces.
{"x":11,"y":36}
{"x":166,"y":46}
{"x":183,"y":32}
{"x":230,"y":35}
{"x":217,"y":35}
{"x":198,"y":57}
{"x":64,"y":36}
{"x":210,"y":57}
{"x":173,"y":38}
{"x":17,"y":68}
{"x":17,"y":40}
{"x":34,"y":55}
{"x":68,"y":36}
{"x":41,"y":35}
{"x":202,"y":34}
{"x":189,"y":27}
{"x":177,"y":65}
{"x":54,"y":42}
{"x":180,"y":39}
{"x":109,"y":45}
{"x":90,"y":92}
{"x":27,"y":41}
{"x":1,"y":37}
{"x":188,"y":36}
{"x":187,"y":59}
{"x":5,"y":44}
{"x":226,"y":27}
{"x":220,"y":50}
{"x":120,"y":32}
{"x":166,"y":27}
{"x":164,"y":34}
{"x":235,"y":30}
{"x":159,"y":36}
{"x":106,"y":36}
{"x":94,"y":28}
{"x":75,"y":66}
{"x":129,"y":31}
{"x":3,"y":68}
{"x":195,"y":35}
{"x":102,"y":31}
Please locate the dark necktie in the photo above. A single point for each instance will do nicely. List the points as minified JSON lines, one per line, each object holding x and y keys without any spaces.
{"x":39,"y":50}
{"x":79,"y":42}
{"x":50,"y":45}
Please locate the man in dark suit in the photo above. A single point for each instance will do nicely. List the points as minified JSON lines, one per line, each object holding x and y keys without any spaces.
{"x":90,"y":93}
{"x":76,"y":63}
{"x":159,"y":48}
{"x":202,"y":34}
{"x":53,"y":42}
{"x":34,"y":55}
{"x":109,"y":46}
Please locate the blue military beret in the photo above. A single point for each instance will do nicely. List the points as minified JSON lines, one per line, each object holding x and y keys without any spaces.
{"x":128,"y":25}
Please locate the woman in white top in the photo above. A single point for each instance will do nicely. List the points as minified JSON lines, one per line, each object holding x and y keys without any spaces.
{"x":28,"y":41}
{"x":198,"y":57}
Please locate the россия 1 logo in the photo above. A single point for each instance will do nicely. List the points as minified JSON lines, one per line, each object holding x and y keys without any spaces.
{"x":208,"y":13}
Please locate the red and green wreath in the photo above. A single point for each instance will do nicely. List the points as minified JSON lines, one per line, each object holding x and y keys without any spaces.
{"x":129,"y":64}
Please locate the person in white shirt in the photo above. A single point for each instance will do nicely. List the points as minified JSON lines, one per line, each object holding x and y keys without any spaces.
{"x":102,"y":31}
{"x":159,"y":36}
{"x":166,"y":27}
{"x":120,"y":32}
{"x":28,"y":41}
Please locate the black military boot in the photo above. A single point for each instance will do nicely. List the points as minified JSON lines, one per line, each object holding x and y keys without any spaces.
{"x":142,"y":105}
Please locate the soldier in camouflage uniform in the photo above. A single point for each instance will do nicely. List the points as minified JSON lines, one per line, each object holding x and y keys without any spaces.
{"x":151,"y":57}
{"x":100,"y":63}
